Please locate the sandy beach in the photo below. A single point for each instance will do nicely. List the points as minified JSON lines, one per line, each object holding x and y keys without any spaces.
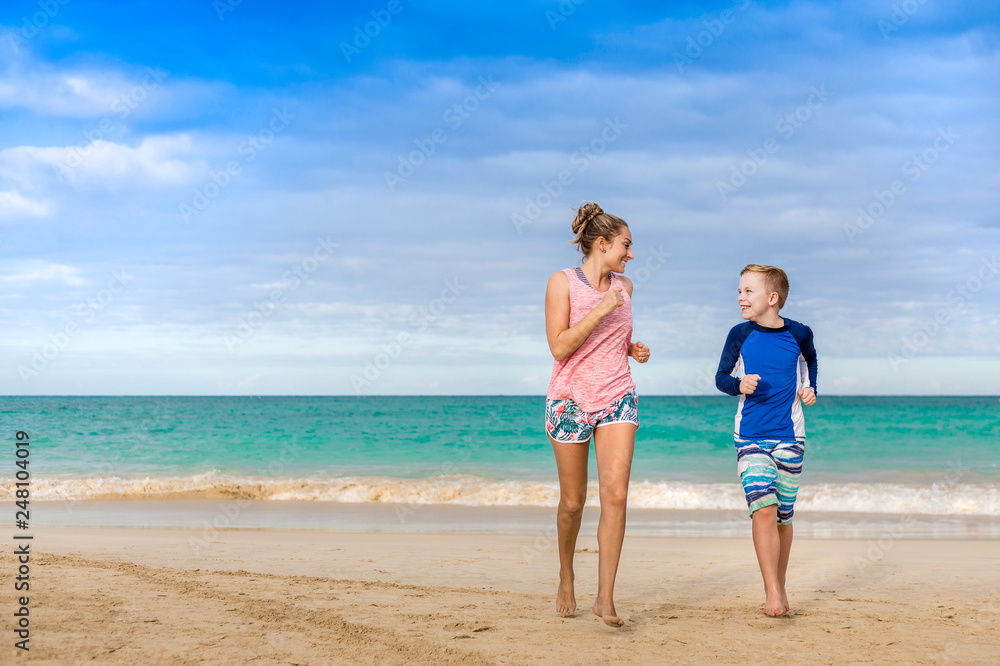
{"x":134,"y":595}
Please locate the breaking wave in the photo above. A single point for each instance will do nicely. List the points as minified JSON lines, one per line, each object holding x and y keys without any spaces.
{"x":934,"y":499}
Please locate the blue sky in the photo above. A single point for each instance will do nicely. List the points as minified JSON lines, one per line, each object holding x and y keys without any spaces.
{"x":246,"y":198}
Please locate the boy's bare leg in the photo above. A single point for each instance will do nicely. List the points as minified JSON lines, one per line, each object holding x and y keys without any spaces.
{"x":768,"y":546}
{"x":785,"y":549}
{"x":571,"y":462}
{"x":614,"y":445}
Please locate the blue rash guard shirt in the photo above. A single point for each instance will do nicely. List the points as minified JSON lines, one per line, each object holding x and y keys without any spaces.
{"x":785,"y":359}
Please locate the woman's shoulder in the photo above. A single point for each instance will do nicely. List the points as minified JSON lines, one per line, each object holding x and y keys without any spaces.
{"x":560,"y":276}
{"x":627,"y":283}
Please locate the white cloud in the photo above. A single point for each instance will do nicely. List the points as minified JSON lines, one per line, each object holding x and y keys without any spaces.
{"x":51,"y":92}
{"x":52,"y":272}
{"x":167,"y":159}
{"x":14,"y":204}
{"x":113,"y":95}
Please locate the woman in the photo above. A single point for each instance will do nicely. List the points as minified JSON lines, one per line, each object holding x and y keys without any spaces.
{"x":588,"y":322}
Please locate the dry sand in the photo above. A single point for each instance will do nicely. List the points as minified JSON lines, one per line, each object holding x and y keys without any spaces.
{"x":145,"y":596}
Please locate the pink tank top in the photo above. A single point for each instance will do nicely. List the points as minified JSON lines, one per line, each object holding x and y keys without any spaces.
{"x":597,"y":373}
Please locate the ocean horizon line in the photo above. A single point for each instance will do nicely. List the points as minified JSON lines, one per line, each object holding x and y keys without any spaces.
{"x":720,"y":396}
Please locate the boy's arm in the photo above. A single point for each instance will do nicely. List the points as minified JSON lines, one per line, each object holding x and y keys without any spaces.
{"x":809,"y":354}
{"x":804,"y":336}
{"x":724,"y":380}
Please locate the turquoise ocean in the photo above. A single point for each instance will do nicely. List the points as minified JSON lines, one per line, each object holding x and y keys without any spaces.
{"x":909,"y":456}
{"x":490,"y":450}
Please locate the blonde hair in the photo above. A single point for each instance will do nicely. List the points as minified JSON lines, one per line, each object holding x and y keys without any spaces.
{"x":775,"y":279}
{"x":592,"y":223}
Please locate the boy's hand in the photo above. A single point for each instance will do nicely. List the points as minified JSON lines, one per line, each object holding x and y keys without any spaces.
{"x":749,"y":384}
{"x":808,"y":397}
{"x":639,"y":352}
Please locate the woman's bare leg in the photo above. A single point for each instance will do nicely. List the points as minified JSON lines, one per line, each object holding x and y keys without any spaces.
{"x":571,"y":462}
{"x":614,"y":445}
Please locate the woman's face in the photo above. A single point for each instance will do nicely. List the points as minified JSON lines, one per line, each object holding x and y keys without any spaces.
{"x":619,"y":251}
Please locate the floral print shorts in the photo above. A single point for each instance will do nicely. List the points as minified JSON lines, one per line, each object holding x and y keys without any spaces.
{"x":566,"y":422}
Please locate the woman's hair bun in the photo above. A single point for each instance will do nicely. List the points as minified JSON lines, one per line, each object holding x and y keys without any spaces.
{"x":584,"y":215}
{"x":592,"y":223}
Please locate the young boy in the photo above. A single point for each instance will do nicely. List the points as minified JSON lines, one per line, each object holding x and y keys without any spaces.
{"x":770,"y":362}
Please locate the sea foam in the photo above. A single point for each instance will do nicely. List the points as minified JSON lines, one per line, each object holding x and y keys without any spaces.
{"x":933,"y":499}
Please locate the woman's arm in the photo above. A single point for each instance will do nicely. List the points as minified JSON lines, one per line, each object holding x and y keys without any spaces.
{"x":563,"y":339}
{"x":636,"y":350}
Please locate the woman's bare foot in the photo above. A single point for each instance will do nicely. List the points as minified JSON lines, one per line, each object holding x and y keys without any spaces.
{"x":565,"y":598}
{"x":607,"y":613}
{"x":773,"y":605}
{"x":784,"y":600}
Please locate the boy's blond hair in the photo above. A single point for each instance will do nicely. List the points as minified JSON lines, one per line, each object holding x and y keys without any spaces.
{"x":774,"y":279}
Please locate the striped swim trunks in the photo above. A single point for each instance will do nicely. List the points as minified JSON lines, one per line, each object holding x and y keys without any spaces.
{"x":769,"y":470}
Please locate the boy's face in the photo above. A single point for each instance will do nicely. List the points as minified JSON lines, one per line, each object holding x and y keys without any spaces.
{"x":753,"y":299}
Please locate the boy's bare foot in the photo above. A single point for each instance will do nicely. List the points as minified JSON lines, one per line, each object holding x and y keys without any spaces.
{"x":565,"y":598}
{"x":773,"y":605}
{"x":607,"y":613}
